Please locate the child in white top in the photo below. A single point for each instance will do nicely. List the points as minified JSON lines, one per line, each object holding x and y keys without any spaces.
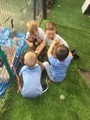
{"x":50,"y":35}
{"x":34,"y":36}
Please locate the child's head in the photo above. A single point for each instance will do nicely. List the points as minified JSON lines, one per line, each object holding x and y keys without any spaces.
{"x":32,"y":27}
{"x":30,"y":59}
{"x":61,"y":52}
{"x":50,"y":30}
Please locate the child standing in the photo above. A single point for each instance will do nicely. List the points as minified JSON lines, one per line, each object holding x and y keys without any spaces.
{"x":59,"y":62}
{"x":31,"y":77}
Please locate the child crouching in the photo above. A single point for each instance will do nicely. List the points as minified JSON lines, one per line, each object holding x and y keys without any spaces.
{"x":31,"y":77}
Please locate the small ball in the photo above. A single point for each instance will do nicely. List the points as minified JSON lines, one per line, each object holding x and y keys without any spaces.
{"x":58,"y":5}
{"x":62,"y":97}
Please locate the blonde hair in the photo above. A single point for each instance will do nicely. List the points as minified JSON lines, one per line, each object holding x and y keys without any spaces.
{"x":30,"y":59}
{"x":32,"y":26}
{"x":50,"y":26}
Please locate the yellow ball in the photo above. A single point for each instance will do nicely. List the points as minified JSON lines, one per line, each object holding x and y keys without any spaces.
{"x":62,"y":97}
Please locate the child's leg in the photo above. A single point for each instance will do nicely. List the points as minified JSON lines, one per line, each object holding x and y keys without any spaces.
{"x":47,"y":67}
{"x":39,"y":40}
{"x":43,"y":55}
{"x":43,"y":81}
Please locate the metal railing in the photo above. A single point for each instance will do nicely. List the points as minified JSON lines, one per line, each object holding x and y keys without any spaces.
{"x":16,"y":13}
{"x":19,"y":12}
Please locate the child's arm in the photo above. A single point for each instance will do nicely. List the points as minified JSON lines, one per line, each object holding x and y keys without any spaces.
{"x":40,"y":47}
{"x":30,"y":44}
{"x":41,"y":65}
{"x":19,"y":83}
{"x":70,"y":54}
{"x":50,"y":50}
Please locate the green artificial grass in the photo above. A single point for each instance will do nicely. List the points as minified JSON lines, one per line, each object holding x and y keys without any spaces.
{"x":75,"y":29}
{"x":69,"y":14}
{"x":48,"y":106}
{"x":78,"y":40}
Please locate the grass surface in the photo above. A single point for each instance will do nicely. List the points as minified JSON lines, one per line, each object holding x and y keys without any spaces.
{"x":49,"y":106}
{"x":75,"y":29}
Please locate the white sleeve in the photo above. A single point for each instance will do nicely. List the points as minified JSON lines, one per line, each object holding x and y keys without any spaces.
{"x":62,"y":41}
{"x":41,"y":33}
{"x":27,"y":35}
{"x":45,"y":37}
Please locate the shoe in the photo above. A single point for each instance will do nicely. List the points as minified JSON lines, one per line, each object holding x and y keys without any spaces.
{"x":45,"y":87}
{"x":75,"y":56}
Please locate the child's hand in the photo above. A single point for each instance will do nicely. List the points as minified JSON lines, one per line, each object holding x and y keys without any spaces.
{"x":19,"y":88}
{"x":56,"y":42}
{"x":70,"y":54}
{"x":37,"y":52}
{"x":31,"y":44}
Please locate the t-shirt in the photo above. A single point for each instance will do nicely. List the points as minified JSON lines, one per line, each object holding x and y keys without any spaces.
{"x":57,"y":37}
{"x":40,"y":34}
{"x":58,"y":68}
{"x":31,"y":79}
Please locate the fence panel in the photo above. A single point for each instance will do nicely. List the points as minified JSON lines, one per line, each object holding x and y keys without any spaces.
{"x":16,"y":13}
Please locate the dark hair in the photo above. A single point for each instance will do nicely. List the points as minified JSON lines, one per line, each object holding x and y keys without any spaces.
{"x":50,"y":26}
{"x":61,"y":52}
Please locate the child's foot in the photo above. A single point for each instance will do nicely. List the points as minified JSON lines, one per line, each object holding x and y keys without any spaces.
{"x":45,"y":87}
{"x":75,"y":56}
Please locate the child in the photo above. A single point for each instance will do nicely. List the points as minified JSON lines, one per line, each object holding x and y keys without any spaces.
{"x":34,"y":36}
{"x":59,"y":62}
{"x":50,"y":35}
{"x":31,"y":77}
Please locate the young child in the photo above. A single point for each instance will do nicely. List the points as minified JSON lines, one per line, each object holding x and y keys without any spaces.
{"x":34,"y":36}
{"x":50,"y":35}
{"x":59,"y":62}
{"x":31,"y":77}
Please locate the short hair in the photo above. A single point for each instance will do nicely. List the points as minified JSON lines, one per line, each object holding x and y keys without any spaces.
{"x":61,"y":52}
{"x":30,"y":59}
{"x":32,"y":26}
{"x":50,"y":26}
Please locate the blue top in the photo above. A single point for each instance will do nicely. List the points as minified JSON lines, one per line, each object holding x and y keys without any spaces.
{"x":31,"y":78}
{"x":58,"y":68}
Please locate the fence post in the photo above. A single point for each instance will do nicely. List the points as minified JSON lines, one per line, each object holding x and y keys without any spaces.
{"x":44,"y":8}
{"x":34,"y":9}
{"x":4,"y":58}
